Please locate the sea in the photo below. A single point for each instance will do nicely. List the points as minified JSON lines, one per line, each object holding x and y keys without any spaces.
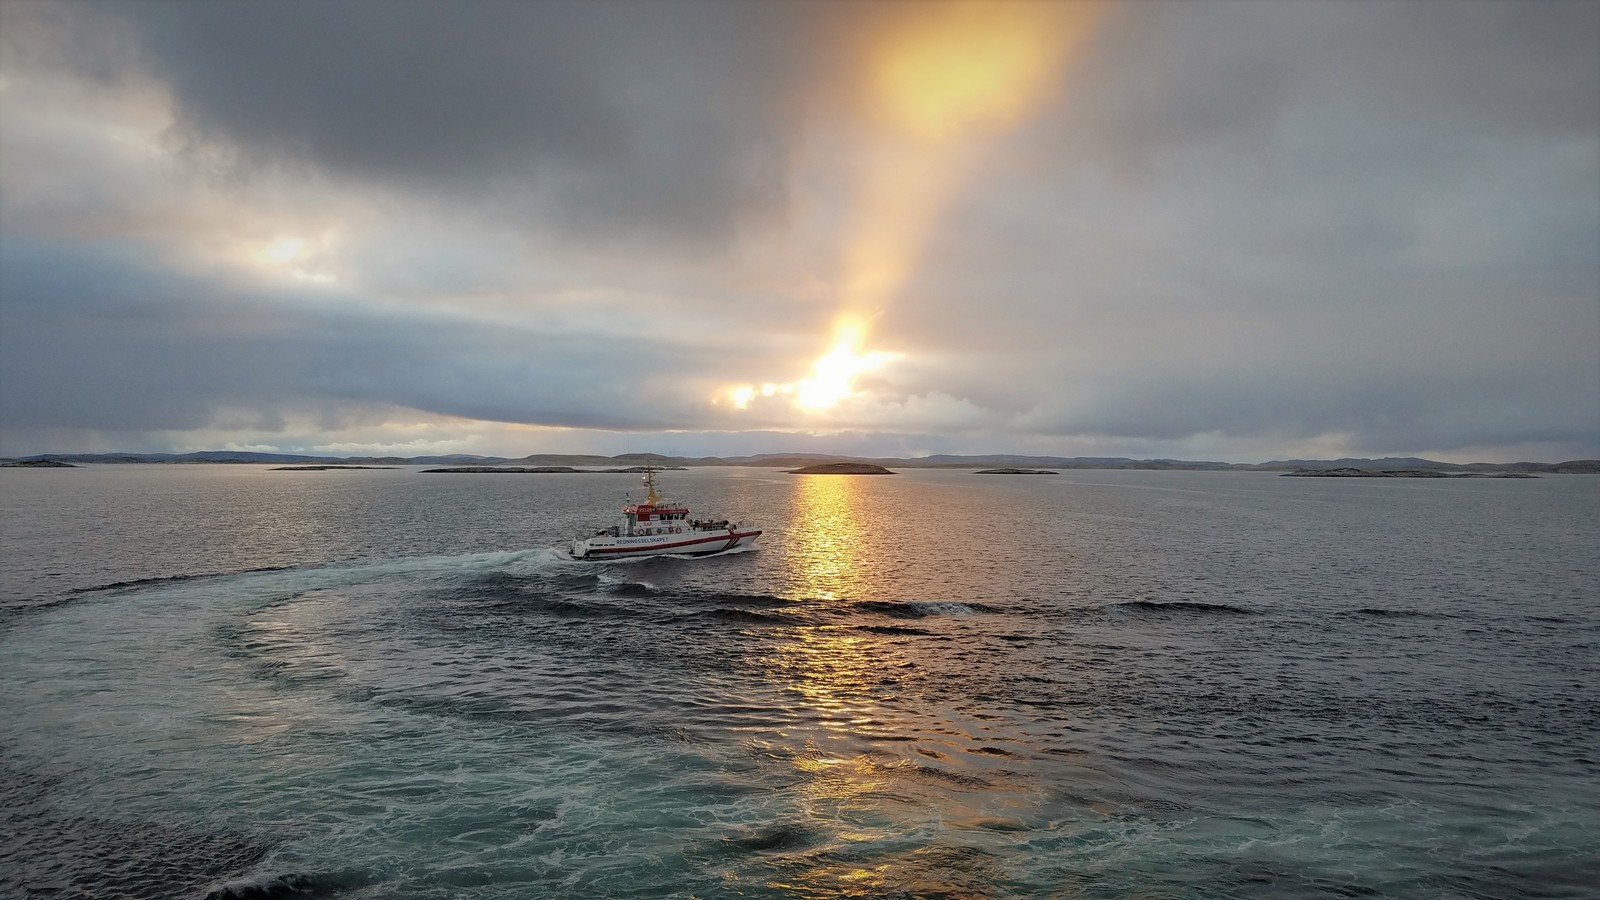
{"x":225,"y":681}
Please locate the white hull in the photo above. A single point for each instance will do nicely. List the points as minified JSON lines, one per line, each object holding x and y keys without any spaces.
{"x":692,"y":542}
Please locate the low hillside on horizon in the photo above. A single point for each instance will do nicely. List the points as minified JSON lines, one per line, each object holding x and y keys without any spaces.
{"x":796,"y":460}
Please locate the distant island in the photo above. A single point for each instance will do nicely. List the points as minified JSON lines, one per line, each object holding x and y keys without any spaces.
{"x":1401,"y":473}
{"x":635,"y":461}
{"x":841,"y":468}
{"x":38,"y":464}
{"x":324,"y":468}
{"x":1015,"y":472}
{"x":503,"y":470}
{"x":546,"y":470}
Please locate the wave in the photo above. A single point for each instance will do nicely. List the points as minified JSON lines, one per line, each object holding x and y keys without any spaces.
{"x":506,"y":585}
{"x":1397,"y":613}
{"x":767,"y":600}
{"x":746,"y":617}
{"x":920,"y":609}
{"x":174,"y":579}
{"x":1184,"y":606}
{"x":289,"y":884}
{"x":891,"y":630}
{"x":83,"y":853}
{"x":779,"y":837}
{"x":633,"y":590}
{"x":570,"y":609}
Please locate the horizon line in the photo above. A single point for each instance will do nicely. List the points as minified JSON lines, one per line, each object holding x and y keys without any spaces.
{"x":954,"y":459}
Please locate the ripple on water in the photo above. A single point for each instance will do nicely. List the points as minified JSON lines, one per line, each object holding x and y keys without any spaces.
{"x":1180,"y":710}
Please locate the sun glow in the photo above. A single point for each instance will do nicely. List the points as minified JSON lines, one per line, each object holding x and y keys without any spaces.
{"x":282,"y":251}
{"x":937,"y":83}
{"x":832,"y":378}
{"x":297,"y":257}
{"x":971,"y":67}
{"x":939,"y":86}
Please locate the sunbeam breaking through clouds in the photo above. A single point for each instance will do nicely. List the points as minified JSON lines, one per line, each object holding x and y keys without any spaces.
{"x":938,"y":87}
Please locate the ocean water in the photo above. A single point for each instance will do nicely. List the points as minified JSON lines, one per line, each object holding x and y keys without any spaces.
{"x":222,"y":681}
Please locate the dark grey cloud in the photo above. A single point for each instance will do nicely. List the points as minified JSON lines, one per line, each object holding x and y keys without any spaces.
{"x":96,"y":339}
{"x":1254,"y":77}
{"x":674,"y":119}
{"x":114,"y":340}
{"x":1378,"y":220}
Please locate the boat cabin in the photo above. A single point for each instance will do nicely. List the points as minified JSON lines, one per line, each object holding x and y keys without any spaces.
{"x":648,"y":518}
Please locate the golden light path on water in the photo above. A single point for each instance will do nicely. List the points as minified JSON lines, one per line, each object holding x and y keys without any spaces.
{"x":864,"y":759}
{"x":939,"y":82}
{"x":825,"y":559}
{"x":830,"y":668}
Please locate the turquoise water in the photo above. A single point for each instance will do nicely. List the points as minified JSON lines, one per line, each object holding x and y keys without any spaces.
{"x":226,"y":681}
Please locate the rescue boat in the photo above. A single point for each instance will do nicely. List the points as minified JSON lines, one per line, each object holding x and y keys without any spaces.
{"x":659,"y":527}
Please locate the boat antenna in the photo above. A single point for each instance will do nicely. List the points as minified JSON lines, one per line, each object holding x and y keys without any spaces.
{"x":650,"y":485}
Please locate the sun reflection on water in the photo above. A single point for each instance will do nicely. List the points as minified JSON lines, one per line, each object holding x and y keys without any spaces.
{"x":841,"y":680}
{"x":894,"y":791}
{"x":826,"y":557}
{"x":830,"y":667}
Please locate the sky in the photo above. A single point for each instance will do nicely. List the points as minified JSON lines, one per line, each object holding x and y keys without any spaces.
{"x":1199,"y":230}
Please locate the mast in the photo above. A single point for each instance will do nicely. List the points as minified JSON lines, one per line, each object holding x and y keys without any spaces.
{"x":650,"y":486}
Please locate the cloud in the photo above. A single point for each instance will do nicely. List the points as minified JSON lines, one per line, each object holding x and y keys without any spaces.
{"x":1234,"y":228}
{"x":111,"y":341}
{"x":668,"y":122}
